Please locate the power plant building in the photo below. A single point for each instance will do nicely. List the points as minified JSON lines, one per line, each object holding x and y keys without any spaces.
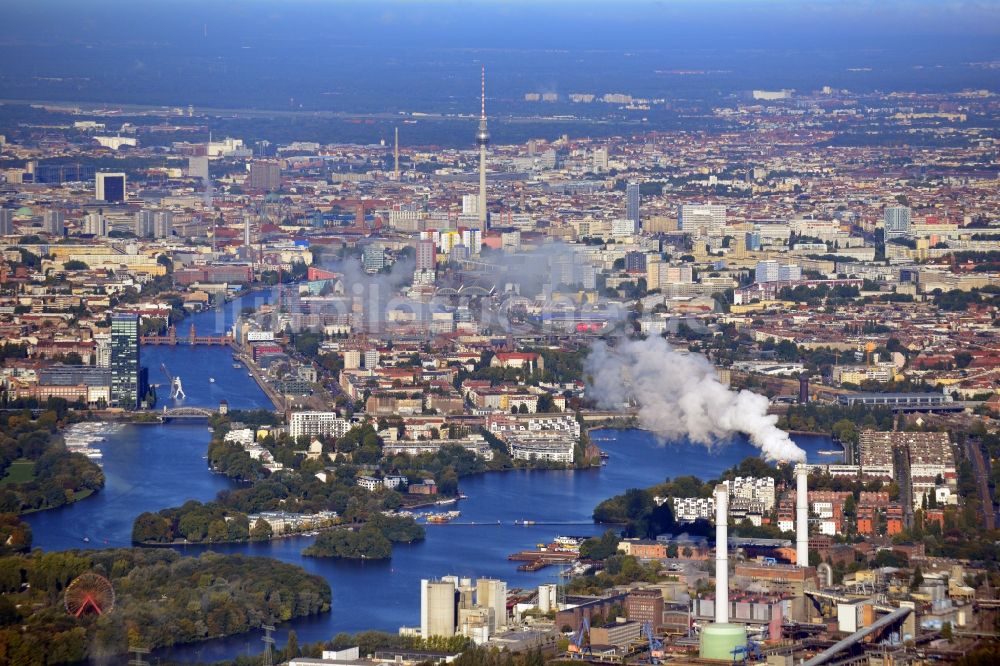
{"x":437,"y":608}
{"x":492,"y":594}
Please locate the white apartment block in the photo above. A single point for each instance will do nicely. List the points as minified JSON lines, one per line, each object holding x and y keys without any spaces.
{"x":751,"y":488}
{"x":317,"y":424}
{"x":244,"y":437}
{"x":554,"y":449}
{"x":505,"y":423}
{"x":690,"y":509}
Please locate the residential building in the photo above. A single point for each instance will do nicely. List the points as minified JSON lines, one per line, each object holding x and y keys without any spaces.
{"x":265,"y":175}
{"x":426,"y":254}
{"x":312,"y":424}
{"x":896,"y":220}
{"x":635,"y":262}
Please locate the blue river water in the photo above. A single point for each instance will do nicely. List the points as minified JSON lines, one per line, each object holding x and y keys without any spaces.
{"x":149,"y":467}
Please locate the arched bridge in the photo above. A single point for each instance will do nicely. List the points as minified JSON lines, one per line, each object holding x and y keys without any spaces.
{"x":186,"y":413}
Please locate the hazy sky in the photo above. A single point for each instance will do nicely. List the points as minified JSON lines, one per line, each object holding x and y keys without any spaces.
{"x":518,"y":23}
{"x":354,"y":54}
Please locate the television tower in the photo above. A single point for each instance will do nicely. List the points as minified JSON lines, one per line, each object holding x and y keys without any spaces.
{"x":483,"y":139}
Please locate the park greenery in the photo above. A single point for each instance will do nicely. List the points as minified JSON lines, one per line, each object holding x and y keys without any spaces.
{"x":37,"y":472}
{"x":162,"y":599}
{"x":372,"y":541}
{"x":15,"y":534}
{"x":843,"y":422}
{"x":366,"y":543}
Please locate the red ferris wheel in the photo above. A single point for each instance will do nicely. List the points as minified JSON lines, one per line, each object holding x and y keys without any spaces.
{"x":89,"y":593}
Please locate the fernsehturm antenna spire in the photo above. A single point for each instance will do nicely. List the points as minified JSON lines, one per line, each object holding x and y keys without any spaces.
{"x":483,"y":139}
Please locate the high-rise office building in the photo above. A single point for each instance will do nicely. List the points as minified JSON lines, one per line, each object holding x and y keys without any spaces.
{"x":702,"y":220}
{"x":6,"y":221}
{"x":599,"y":160}
{"x":198,"y":167}
{"x":163,"y":224}
{"x":125,"y":373}
{"x":110,"y":187}
{"x":767,"y":271}
{"x":472,"y":239}
{"x":632,"y":202}
{"x":373,"y":258}
{"x":790,"y":272}
{"x":265,"y":175}
{"x":772,"y":271}
{"x":635,"y":262}
{"x":470,"y":204}
{"x":426,"y":255}
{"x":897,"y":221}
{"x":55,"y":222}
{"x":144,"y":223}
{"x":95,"y":224}
{"x":103,"y":350}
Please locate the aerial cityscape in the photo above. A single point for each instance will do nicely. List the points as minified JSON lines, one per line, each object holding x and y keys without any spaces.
{"x":500,"y":333}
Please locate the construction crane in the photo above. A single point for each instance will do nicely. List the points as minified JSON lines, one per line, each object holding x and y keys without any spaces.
{"x":176,"y":388}
{"x":655,"y":645}
{"x":577,"y":648}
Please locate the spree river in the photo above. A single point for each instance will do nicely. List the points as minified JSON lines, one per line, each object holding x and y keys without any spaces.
{"x":149,"y":467}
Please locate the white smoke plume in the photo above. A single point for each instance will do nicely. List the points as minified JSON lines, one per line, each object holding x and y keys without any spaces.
{"x":680,"y":395}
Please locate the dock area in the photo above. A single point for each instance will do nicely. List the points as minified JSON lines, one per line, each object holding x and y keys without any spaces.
{"x":539,"y":559}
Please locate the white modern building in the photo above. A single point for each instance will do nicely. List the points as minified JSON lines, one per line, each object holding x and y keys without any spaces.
{"x":317,"y":424}
{"x":897,"y":221}
{"x":703,"y":220}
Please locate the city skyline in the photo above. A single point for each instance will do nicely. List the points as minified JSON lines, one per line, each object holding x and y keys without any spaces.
{"x":676,"y":340}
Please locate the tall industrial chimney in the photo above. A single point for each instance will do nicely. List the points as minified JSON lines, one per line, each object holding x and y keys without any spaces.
{"x":801,"y":516}
{"x":722,"y":554}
